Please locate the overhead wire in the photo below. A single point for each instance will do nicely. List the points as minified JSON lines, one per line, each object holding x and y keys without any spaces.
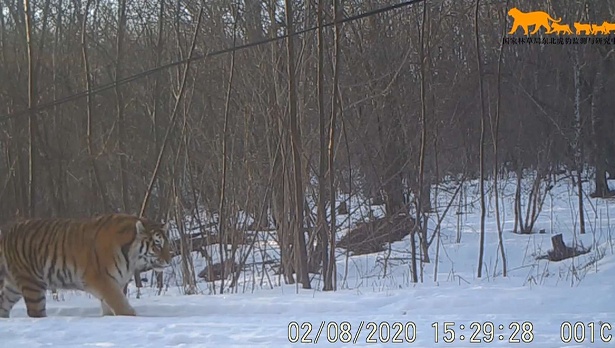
{"x":196,"y":57}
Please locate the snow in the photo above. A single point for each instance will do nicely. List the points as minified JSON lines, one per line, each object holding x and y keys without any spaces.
{"x":545,"y":294}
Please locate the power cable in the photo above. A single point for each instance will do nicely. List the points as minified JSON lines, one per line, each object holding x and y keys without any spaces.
{"x":146,"y":73}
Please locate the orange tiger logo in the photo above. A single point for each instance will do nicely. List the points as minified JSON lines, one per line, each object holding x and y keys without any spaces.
{"x":97,"y":255}
{"x":560,"y":28}
{"x":609,"y":27}
{"x":582,"y":28}
{"x":526,"y":19}
{"x":602,"y":29}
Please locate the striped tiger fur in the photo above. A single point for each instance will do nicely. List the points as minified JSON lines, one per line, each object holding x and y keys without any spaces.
{"x":98,"y":255}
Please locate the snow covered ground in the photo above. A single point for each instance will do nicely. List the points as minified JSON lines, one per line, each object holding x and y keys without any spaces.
{"x":533,"y":304}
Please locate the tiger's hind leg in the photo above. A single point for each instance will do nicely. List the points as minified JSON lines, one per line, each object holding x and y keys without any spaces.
{"x":34,"y":296}
{"x":9,"y":295}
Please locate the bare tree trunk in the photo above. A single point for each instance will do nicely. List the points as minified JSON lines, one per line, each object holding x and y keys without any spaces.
{"x":321,"y":214}
{"x":330,"y":279}
{"x":295,"y":135}
{"x":120,"y":116}
{"x":437,"y":185}
{"x":600,"y":140}
{"x":155,"y":113}
{"x":577,"y":146}
{"x":32,"y":121}
{"x":121,"y":131}
{"x":278,"y":155}
{"x":421,"y":223}
{"x":157,"y":95}
{"x":222,"y":207}
{"x":518,"y":226}
{"x":481,"y":251}
{"x":279,"y":207}
{"x":89,"y":100}
{"x":495,"y":138}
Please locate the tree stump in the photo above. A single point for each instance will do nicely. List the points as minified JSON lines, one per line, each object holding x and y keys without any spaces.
{"x":561,"y":252}
{"x":559,"y":248}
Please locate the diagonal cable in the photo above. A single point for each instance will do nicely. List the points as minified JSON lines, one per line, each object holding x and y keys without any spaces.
{"x":197,"y":57}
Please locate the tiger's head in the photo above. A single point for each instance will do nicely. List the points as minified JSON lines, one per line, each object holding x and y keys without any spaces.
{"x":514,"y":12}
{"x":153,"y":245}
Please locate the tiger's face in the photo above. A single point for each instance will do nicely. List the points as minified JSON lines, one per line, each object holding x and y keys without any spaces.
{"x":154,"y":247}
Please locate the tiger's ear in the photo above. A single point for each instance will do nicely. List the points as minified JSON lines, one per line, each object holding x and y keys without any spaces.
{"x":165,"y":228}
{"x":139,"y":226}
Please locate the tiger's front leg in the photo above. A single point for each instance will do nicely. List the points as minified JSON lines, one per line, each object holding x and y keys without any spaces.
{"x":106,"y":310}
{"x":514,"y":28}
{"x":112,"y":298}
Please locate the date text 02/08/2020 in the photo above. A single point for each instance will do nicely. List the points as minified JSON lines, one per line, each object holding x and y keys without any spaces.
{"x":443,"y":332}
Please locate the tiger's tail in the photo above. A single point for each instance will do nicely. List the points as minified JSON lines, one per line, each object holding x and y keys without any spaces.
{"x":555,"y":20}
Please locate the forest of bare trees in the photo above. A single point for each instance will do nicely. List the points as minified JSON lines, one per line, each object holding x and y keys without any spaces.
{"x":383,"y":106}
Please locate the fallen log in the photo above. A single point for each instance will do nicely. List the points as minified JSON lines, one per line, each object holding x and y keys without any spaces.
{"x":213,"y":273}
{"x":198,"y":241}
{"x":373,"y":236}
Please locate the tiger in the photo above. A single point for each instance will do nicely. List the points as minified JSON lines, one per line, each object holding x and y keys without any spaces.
{"x":609,"y":27}
{"x":560,"y":28}
{"x":582,"y":28}
{"x":525,"y":19}
{"x":97,"y":255}
{"x":599,"y":29}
